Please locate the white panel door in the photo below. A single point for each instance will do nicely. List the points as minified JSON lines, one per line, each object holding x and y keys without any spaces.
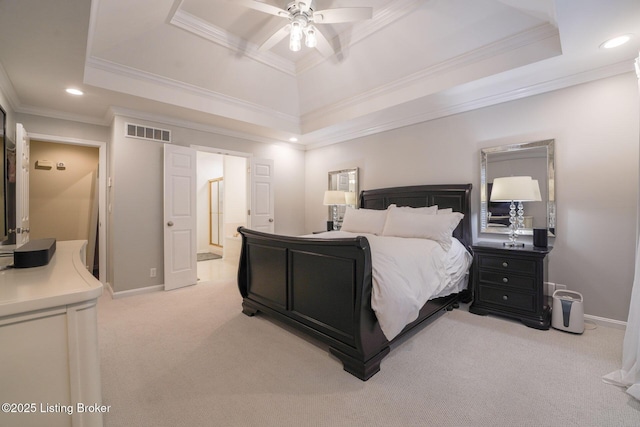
{"x":180,"y":217}
{"x":262,"y":209}
{"x":22,"y":185}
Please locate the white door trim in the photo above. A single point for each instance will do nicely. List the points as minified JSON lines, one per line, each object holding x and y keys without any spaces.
{"x":102,"y":189}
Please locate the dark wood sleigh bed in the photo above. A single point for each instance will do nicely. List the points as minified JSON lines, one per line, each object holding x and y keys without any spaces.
{"x":322,"y":287}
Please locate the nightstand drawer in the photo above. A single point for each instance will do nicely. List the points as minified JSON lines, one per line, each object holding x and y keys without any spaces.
{"x":506,"y":279}
{"x":510,"y":282}
{"x":508,"y":264}
{"x":507,"y":299}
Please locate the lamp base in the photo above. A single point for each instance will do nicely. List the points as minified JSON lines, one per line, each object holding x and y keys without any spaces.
{"x":513,"y":244}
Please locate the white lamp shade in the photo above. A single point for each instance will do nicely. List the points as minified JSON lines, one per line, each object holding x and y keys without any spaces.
{"x":536,"y":191}
{"x":332,"y":197}
{"x":350,"y":198}
{"x":510,"y":188}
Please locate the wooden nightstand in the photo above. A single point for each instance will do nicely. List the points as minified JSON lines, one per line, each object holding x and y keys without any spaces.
{"x":510,"y":282}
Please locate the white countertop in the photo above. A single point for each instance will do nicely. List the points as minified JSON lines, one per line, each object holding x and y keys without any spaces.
{"x":65,"y":280}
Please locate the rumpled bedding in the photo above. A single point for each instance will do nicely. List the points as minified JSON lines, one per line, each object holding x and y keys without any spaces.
{"x":407,"y":272}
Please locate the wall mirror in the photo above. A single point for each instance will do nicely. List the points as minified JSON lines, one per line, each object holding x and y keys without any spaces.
{"x":535,"y":159}
{"x":344,"y":180}
{"x":216,"y":220}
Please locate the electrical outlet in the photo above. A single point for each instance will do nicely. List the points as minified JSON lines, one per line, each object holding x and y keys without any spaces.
{"x":153,"y":272}
{"x":549,"y":288}
{"x":561,"y":287}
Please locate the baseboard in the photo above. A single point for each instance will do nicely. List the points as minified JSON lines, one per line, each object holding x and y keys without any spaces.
{"x":609,"y":323}
{"x":132,"y":292}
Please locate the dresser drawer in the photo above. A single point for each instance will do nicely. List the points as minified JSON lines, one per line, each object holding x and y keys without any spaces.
{"x":522,"y":266}
{"x":520,"y":301}
{"x":507,"y":279}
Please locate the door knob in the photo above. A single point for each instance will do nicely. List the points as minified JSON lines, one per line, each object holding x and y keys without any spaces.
{"x":170,"y":223}
{"x":270,"y":219}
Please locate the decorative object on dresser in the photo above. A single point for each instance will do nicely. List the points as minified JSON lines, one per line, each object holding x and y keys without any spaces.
{"x":323,"y":287}
{"x":510,"y":282}
{"x":345,"y":180}
{"x":334,"y":199}
{"x":515,"y":189}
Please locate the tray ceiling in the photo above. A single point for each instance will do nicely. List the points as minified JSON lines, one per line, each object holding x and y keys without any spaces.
{"x":198,"y":62}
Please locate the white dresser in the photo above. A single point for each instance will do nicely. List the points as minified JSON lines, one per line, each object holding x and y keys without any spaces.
{"x":49,"y":360}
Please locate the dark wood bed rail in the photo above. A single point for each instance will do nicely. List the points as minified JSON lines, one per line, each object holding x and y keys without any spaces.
{"x":319,"y":286}
{"x":323,"y":287}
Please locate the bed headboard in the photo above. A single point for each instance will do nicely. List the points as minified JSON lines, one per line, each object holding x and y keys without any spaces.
{"x":455,"y":196}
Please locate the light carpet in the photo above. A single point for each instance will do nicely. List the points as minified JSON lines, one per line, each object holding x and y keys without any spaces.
{"x":189,"y":357}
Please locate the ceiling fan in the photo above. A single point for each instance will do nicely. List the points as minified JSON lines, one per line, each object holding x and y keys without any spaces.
{"x":302,"y":15}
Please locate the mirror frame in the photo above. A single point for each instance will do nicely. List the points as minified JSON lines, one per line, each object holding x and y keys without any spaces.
{"x":216,"y":186}
{"x":549,"y":144}
{"x":330,"y":186}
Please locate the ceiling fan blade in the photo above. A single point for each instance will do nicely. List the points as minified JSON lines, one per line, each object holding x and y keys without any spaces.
{"x":276,"y":37}
{"x":262,"y":7}
{"x":323,"y":45}
{"x":342,"y":14}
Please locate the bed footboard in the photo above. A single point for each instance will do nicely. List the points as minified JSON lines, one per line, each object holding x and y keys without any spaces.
{"x":319,"y":286}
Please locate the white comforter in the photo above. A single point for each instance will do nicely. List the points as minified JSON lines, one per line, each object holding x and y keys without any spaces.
{"x":407,"y":273}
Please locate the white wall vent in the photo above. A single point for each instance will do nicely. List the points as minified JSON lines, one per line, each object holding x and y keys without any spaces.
{"x":145,"y":132}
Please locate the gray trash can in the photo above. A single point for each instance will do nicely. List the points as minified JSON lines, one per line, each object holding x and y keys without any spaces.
{"x":567,"y":313}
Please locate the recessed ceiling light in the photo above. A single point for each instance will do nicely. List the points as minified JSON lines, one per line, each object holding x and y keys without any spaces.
{"x":293,"y":139}
{"x":616,"y":41}
{"x":73,"y":91}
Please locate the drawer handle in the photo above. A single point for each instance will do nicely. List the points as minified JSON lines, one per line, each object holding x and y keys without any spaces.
{"x":505,"y":297}
{"x":505,"y":264}
{"x":505,"y":280}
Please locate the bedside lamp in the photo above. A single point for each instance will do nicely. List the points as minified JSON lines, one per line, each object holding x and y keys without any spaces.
{"x":334,"y":198}
{"x":350,"y":198}
{"x":515,"y":189}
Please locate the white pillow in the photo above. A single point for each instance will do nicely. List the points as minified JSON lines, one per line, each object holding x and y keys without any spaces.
{"x":369,"y":221}
{"x":429,"y":210}
{"x":433,"y":227}
{"x":445,"y":211}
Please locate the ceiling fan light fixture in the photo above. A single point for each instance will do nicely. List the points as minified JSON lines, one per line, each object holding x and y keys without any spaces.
{"x":311,"y":40}
{"x":295,"y":44}
{"x":296,"y":30}
{"x":302,"y":14}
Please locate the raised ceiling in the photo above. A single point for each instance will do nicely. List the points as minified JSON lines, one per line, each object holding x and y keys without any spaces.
{"x":197,"y":62}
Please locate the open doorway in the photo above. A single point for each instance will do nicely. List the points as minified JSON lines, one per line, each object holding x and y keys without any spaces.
{"x":64,"y":195}
{"x":221,"y":209}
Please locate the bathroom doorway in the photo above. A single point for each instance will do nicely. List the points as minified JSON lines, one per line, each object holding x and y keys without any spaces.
{"x":222,"y":182}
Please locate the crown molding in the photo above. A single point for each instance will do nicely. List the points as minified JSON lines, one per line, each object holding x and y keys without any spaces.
{"x":369,"y":127}
{"x":393,"y":11}
{"x":60,"y":115}
{"x":534,"y":35}
{"x":361,"y":30}
{"x":174,"y":85}
{"x":497,"y":97}
{"x":187,"y":124}
{"x":206,"y":30}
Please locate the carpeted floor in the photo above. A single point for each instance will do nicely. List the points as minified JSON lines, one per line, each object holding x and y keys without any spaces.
{"x":189,"y":357}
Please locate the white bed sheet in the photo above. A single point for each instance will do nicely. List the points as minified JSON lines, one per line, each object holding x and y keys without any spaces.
{"x":407,"y":273}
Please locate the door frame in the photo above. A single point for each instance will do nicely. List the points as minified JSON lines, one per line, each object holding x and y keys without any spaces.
{"x":102,"y":187}
{"x":225,"y":152}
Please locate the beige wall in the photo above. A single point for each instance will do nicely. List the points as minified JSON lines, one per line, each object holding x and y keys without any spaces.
{"x":60,"y":199}
{"x":135,"y":222}
{"x":595,"y":126}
